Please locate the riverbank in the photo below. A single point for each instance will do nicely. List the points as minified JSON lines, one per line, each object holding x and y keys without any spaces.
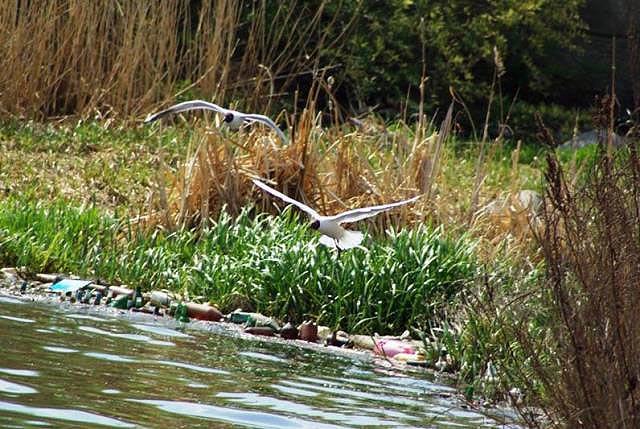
{"x":36,"y":290}
{"x":118,"y":366}
{"x":56,"y":289}
{"x":174,"y":210}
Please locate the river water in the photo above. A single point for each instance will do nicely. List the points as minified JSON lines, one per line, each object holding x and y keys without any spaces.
{"x":79,"y":368}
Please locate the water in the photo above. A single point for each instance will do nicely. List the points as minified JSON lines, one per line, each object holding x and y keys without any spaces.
{"x":74,"y":367}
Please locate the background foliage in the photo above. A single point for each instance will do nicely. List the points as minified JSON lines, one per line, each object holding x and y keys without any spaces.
{"x":390,"y":42}
{"x":64,"y":57}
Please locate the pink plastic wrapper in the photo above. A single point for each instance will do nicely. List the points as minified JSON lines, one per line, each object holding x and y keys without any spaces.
{"x":390,"y":348}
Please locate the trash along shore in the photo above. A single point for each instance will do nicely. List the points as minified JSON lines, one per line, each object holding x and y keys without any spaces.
{"x":401,"y":352}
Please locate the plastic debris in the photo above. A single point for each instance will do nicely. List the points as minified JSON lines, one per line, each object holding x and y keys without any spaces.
{"x":10,"y":274}
{"x":97,"y":298}
{"x":181,"y":313}
{"x":65,"y":286}
{"x":48,"y":278}
{"x":257,"y":319}
{"x":160,"y":299}
{"x":391,"y":347}
{"x":266,"y":331}
{"x":253,"y":319}
{"x":137,"y":298}
{"x":363,"y":341}
{"x":338,"y":339}
{"x":121,"y":302}
{"x":203,"y":312}
{"x":417,"y":359}
{"x":308,"y":331}
{"x":239,"y":316}
{"x":119,"y":290}
{"x":289,"y":332}
{"x":147,"y":309}
{"x":324,"y":331}
{"x":86,"y":297}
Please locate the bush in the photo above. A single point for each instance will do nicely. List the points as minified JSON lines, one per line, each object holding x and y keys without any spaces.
{"x":383,"y":57}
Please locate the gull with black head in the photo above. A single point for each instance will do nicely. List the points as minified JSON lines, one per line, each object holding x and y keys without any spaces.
{"x":333,"y":234}
{"x":232,"y":118}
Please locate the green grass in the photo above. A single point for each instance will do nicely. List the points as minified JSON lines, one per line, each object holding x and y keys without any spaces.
{"x":67,"y":194}
{"x":112,"y":167}
{"x":271,"y":264}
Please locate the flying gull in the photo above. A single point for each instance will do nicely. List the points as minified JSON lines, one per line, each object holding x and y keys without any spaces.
{"x":232,"y":118}
{"x":333,"y":234}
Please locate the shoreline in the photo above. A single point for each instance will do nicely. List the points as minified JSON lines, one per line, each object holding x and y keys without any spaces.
{"x":37,"y":292}
{"x":12,"y":286}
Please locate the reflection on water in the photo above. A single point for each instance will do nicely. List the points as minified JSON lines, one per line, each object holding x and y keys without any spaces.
{"x":79,"y":368}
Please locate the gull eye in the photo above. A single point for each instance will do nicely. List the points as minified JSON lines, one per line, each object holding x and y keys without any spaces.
{"x":315,"y":224}
{"x":228,"y":117}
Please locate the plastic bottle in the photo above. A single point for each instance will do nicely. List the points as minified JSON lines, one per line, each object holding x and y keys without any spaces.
{"x":119,"y":290}
{"x":137,"y":298}
{"x":181,"y":313}
{"x":265,"y":331}
{"x":203,"y":312}
{"x":160,"y":299}
{"x":97,"y":299}
{"x":239,"y":317}
{"x":289,"y":332}
{"x":308,"y":331}
{"x":120,"y":302}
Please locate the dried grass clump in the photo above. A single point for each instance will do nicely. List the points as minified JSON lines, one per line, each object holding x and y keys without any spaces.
{"x":108,"y":58}
{"x":331,"y":171}
{"x":591,"y":244}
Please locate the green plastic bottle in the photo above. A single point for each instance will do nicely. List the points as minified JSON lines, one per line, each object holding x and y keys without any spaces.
{"x":120,"y":302}
{"x":137,"y":299}
{"x":182,"y":314}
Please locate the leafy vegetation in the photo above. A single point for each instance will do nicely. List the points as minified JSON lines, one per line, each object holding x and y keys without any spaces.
{"x":125,"y":58}
{"x":264,"y":263}
{"x":426,"y":38}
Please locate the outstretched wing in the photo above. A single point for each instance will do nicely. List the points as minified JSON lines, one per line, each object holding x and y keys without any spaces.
{"x":267,"y":121}
{"x":365,"y":212}
{"x":311,"y":212}
{"x":183,"y":107}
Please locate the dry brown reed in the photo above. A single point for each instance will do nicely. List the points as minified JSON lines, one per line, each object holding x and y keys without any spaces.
{"x":66,"y":57}
{"x":125,"y":58}
{"x":582,"y":369}
{"x":332,"y":175}
{"x":591,"y":243}
{"x":331,"y":169}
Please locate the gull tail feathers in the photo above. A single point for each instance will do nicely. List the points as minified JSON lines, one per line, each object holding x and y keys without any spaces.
{"x":327,"y":241}
{"x":350,"y":239}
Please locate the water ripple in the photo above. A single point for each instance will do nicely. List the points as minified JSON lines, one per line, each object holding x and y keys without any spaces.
{"x":9,"y":300}
{"x":132,"y":337}
{"x":109,"y":357}
{"x":20,"y":372}
{"x":17,"y":319}
{"x":254,"y":419}
{"x":192,"y":367}
{"x":15,"y":388}
{"x":64,"y":414}
{"x":57,"y":349}
{"x":159,"y":330}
